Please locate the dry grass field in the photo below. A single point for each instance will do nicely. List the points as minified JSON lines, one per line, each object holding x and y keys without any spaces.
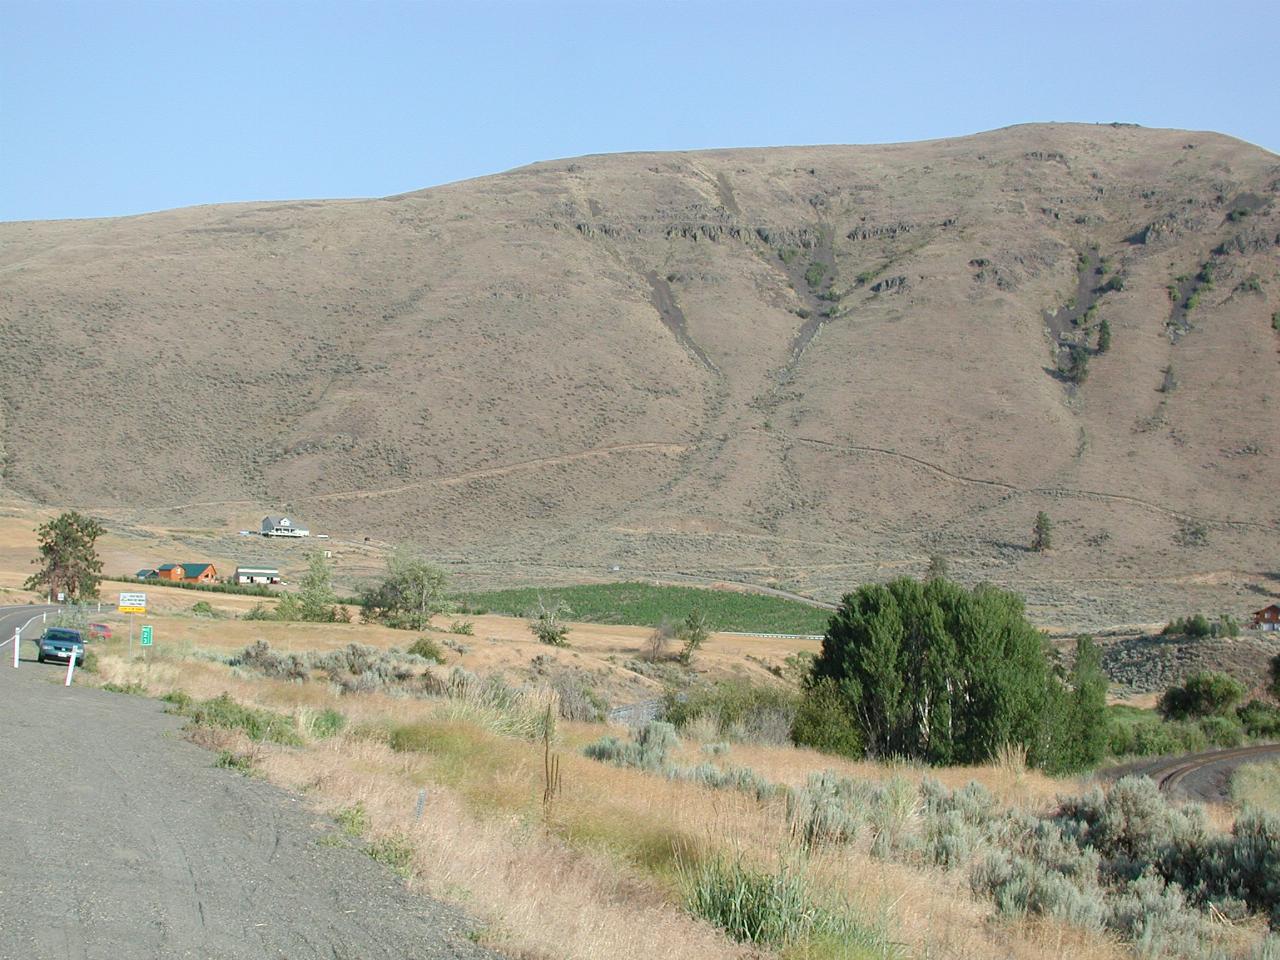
{"x":804,"y":367}
{"x":615,"y":841}
{"x":609,"y":841}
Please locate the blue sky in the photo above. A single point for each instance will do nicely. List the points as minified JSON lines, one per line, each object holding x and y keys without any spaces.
{"x":110,"y":108}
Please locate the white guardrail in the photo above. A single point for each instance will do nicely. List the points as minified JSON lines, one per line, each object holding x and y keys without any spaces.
{"x":774,"y":636}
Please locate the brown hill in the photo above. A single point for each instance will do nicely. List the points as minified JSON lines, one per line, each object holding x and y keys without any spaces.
{"x":802,"y":366}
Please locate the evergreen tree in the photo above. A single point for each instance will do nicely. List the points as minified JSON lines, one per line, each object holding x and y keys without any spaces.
{"x":1104,"y":337}
{"x":939,"y":569}
{"x":1042,"y":533}
{"x":69,"y":560}
{"x":1077,"y":364}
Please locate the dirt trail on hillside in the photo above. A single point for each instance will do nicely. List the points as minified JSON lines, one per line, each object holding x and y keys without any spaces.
{"x":121,"y":841}
{"x":1046,"y":491}
{"x":482,"y":473}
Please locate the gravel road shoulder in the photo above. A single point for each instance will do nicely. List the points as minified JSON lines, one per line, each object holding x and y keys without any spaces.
{"x":122,"y":841}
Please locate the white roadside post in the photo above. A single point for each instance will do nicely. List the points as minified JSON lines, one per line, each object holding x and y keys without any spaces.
{"x":71,"y":667}
{"x":17,"y":637}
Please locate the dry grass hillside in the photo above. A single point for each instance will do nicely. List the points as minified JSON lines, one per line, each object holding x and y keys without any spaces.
{"x":797,"y":366}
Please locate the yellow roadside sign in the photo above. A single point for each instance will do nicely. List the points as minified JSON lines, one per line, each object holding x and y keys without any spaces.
{"x":132,"y":603}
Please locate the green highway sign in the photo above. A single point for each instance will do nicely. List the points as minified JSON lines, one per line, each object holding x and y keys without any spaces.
{"x":146,"y":635}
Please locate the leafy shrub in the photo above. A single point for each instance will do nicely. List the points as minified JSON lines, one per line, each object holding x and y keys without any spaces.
{"x":824,"y":722}
{"x":1222,"y":731}
{"x":411,"y":592}
{"x":353,"y":820}
{"x":1198,"y":626}
{"x":203,"y":608}
{"x":321,"y":724}
{"x":394,"y":851}
{"x":428,"y":649}
{"x":815,"y":274}
{"x":1151,"y":737}
{"x":1204,"y":694}
{"x":1260,"y":719}
{"x":179,"y":700}
{"x":258,"y":612}
{"x":1077,"y":364}
{"x":547,"y":623}
{"x":463,"y":628}
{"x":737,"y":709}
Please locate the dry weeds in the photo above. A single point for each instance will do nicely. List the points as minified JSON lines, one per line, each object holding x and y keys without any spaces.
{"x":594,"y":876}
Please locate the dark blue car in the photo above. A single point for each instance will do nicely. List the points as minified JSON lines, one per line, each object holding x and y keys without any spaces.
{"x":61,"y":643}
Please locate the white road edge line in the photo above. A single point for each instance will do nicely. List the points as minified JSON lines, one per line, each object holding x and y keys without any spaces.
{"x":17,"y":636}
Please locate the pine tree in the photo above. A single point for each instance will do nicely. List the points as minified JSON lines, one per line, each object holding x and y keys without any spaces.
{"x":939,"y":569}
{"x":70,"y":561}
{"x":1077,"y":364}
{"x":1042,"y":533}
{"x":1104,"y":337}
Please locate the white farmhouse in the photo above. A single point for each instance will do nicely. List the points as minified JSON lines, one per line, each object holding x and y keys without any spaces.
{"x":282,"y":527}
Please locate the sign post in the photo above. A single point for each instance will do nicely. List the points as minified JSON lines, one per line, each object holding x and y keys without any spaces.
{"x":145,"y":639}
{"x":132,"y":603}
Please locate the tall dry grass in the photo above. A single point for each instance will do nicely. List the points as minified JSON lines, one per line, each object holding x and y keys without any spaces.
{"x":596,"y":874}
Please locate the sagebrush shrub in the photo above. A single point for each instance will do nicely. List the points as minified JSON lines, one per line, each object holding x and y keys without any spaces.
{"x":648,"y":749}
{"x":828,"y":809}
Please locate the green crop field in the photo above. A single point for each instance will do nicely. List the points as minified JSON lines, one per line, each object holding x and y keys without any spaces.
{"x":646,"y":605}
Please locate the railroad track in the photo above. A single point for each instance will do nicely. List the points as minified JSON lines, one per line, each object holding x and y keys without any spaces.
{"x":1173,"y":773}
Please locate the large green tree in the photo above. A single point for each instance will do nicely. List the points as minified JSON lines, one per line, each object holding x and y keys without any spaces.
{"x":316,"y":598}
{"x":68,"y":560}
{"x":411,"y":592}
{"x":933,"y":672}
{"x":1080,"y":739}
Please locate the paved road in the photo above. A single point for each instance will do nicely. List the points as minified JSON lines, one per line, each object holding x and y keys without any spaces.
{"x":121,"y":841}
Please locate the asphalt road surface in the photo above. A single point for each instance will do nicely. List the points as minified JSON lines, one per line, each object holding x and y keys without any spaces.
{"x":121,"y":841}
